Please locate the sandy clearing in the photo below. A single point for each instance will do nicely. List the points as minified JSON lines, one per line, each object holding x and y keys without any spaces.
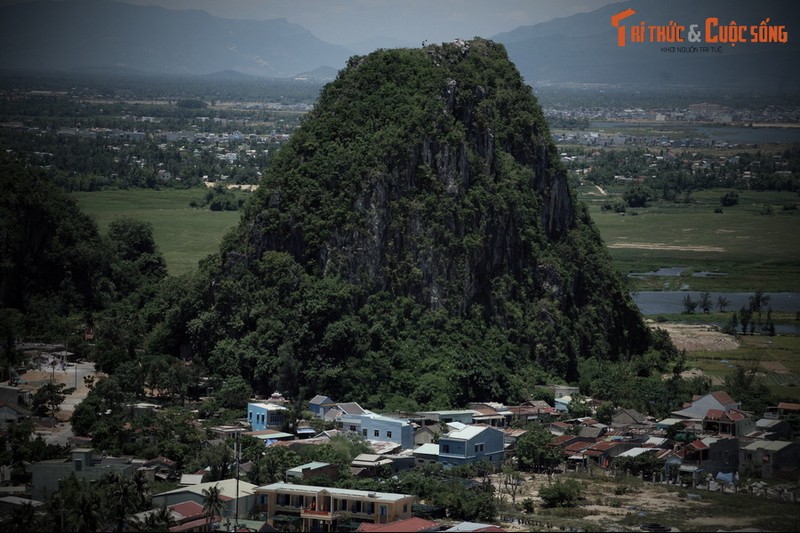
{"x":698,"y":337}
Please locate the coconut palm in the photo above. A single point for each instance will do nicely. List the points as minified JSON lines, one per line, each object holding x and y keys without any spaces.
{"x":213,"y":505}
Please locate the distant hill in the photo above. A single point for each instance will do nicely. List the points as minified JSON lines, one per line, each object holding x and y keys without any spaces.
{"x":583,"y":48}
{"x":95,"y":34}
{"x":318,"y":74}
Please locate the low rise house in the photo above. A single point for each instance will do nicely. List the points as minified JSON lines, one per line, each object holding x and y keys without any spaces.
{"x":700,"y":405}
{"x":471,"y":444}
{"x":313,"y":469}
{"x":426,"y":454}
{"x":312,"y":508}
{"x":320,"y":405}
{"x":45,"y":475}
{"x":262,"y":416}
{"x":11,"y":414}
{"x":712,"y":454}
{"x":770,"y":459}
{"x":236,"y":494}
{"x":465,"y":416}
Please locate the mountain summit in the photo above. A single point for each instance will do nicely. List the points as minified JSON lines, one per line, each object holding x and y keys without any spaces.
{"x":418,"y":227}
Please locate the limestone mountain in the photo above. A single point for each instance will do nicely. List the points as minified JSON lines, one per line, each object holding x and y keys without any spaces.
{"x":415,"y":244}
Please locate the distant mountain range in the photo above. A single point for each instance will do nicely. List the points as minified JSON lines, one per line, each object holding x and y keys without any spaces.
{"x":97,"y":35}
{"x":88,"y":34}
{"x":583,"y":49}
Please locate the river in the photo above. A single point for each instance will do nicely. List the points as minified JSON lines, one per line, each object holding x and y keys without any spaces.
{"x":664,"y":302}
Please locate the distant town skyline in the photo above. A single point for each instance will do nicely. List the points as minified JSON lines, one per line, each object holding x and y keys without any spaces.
{"x":408,"y":22}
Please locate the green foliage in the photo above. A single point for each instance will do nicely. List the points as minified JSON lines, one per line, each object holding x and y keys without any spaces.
{"x":561,"y":493}
{"x":49,"y":397}
{"x":637,"y":195}
{"x":729,"y":199}
{"x":416,"y":227}
{"x":645,"y":464}
{"x":533,"y":450}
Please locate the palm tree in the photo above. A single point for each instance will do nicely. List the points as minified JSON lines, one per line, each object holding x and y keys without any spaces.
{"x":122,"y":500}
{"x":141,"y":490}
{"x":85,"y":516}
{"x":212,"y":502}
{"x":160,"y":519}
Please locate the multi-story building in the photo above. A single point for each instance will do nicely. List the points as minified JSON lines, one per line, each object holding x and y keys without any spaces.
{"x":325,"y":509}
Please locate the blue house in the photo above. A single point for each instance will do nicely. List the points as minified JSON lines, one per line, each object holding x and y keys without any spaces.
{"x":373,"y":426}
{"x":319,"y":405}
{"x":470,"y":445}
{"x":263,"y":416}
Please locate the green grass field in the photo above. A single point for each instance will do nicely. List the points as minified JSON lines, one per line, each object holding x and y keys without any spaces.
{"x":748,"y":247}
{"x":185,"y":235}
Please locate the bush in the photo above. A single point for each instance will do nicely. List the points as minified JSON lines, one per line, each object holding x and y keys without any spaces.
{"x":729,"y":198}
{"x":562,"y":493}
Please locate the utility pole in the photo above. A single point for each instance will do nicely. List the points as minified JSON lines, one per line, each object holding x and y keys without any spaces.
{"x":238,"y":453}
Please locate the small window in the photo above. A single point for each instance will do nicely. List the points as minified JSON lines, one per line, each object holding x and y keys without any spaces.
{"x":377,"y":433}
{"x":388,"y":434}
{"x":364,"y":432}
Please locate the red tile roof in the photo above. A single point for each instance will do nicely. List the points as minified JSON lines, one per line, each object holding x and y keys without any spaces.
{"x":786,"y":406}
{"x":188,"y":509}
{"x":723,"y":397}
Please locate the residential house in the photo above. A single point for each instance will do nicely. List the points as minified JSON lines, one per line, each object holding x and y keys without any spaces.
{"x":770,"y":459}
{"x":533,"y":411}
{"x":383,"y":428}
{"x":311,"y":508}
{"x":732,"y":422}
{"x":163,"y":468}
{"x":45,"y":475}
{"x":627,"y":418}
{"x":426,"y":454}
{"x":712,"y":454}
{"x":700,"y":405}
{"x":462,"y":415}
{"x":424,"y":435}
{"x":236,"y":494}
{"x":343,"y":410}
{"x":491,"y":414}
{"x":185,"y":516}
{"x":270,"y":436}
{"x":772,"y":429}
{"x":602,"y":453}
{"x":471,"y":444}
{"x":370,"y":464}
{"x":320,"y":405}
{"x":262,"y":416}
{"x":786,"y":409}
{"x":314,"y":469}
{"x":11,"y":414}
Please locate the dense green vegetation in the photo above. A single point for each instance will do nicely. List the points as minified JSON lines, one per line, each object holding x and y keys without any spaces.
{"x":417,"y":228}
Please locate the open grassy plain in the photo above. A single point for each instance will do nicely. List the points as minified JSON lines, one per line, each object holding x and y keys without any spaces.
{"x":749,"y":246}
{"x":184,"y":234}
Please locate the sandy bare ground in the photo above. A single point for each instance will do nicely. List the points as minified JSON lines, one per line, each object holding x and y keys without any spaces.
{"x":698,"y":337}
{"x":610,"y":511}
{"x":662,"y":246}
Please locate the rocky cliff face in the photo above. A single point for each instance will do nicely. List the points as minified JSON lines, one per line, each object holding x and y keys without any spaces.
{"x":420,"y":169}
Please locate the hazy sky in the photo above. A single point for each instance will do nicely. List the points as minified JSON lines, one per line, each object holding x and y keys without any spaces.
{"x":350,"y":21}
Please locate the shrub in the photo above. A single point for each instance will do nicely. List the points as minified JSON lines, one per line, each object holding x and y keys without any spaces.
{"x":562,"y":493}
